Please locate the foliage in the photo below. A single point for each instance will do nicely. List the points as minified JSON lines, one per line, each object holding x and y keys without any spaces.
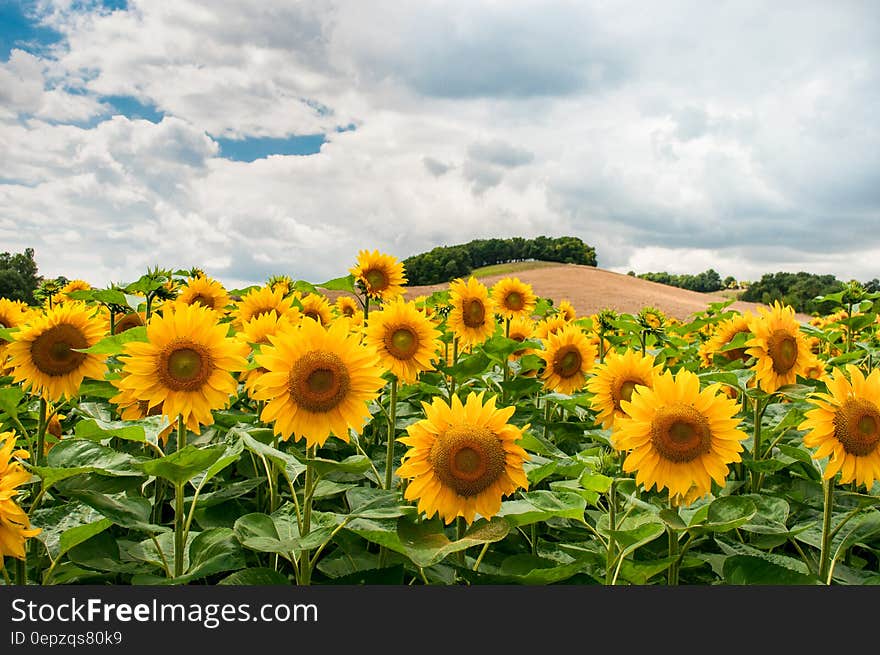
{"x":18,"y":276}
{"x":795,"y":289}
{"x":706,"y":281}
{"x":445,"y":263}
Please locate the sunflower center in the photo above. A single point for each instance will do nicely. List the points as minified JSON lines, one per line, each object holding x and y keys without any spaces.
{"x":783,"y":350}
{"x":376,"y":279}
{"x":319,"y":381}
{"x":624,"y":392}
{"x":185,"y":365}
{"x":348,"y":310}
{"x":474,"y":313}
{"x":127,"y":322}
{"x":467,"y":459}
{"x":54,"y":351}
{"x":567,"y":362}
{"x":203,"y":300}
{"x":680,"y":433}
{"x":857,"y":426}
{"x":402,"y":342}
{"x":514,"y":301}
{"x":311,"y":313}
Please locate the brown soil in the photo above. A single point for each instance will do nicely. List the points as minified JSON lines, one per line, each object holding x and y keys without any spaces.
{"x":591,"y":289}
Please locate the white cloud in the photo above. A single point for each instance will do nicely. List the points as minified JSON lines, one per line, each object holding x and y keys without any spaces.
{"x":675,"y":137}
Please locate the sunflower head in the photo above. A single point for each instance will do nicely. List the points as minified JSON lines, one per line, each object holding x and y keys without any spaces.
{"x":513,"y":299}
{"x":616,"y":379}
{"x":346,"y":306}
{"x":521,"y":329}
{"x":404,"y":338}
{"x":282,"y":282}
{"x":47,"y":352}
{"x":264,"y":300}
{"x":317,"y":382}
{"x":463,"y":458}
{"x":205,"y":292}
{"x":778,"y":346}
{"x":472,"y":317}
{"x":651,"y":319}
{"x":15,"y":527}
{"x":70,"y":287}
{"x":568,"y":355}
{"x":677,"y":436}
{"x":185,"y":365}
{"x":128,"y":321}
{"x":317,"y":308}
{"x":550,"y":325}
{"x":845,"y":426}
{"x":723,"y":334}
{"x":566,"y":310}
{"x":379,"y":275}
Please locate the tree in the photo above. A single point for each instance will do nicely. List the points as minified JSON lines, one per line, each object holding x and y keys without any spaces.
{"x":18,"y":276}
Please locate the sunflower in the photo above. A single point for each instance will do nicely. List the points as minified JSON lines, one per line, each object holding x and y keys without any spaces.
{"x":404,"y":338}
{"x":550,"y":325}
{"x":781,"y":351}
{"x":724,"y":333}
{"x":256,"y":332}
{"x":317,"y":307}
{"x":204,"y":291}
{"x":814,"y":369}
{"x":678,"y":436}
{"x":472,"y":317}
{"x":521,"y":329}
{"x":463,"y":458}
{"x":845,"y":426}
{"x":282,"y":282}
{"x":70,"y":287}
{"x":45,"y":354}
{"x":14,"y":523}
{"x":185,"y":365}
{"x":380,"y":275}
{"x":568,"y":355}
{"x":264,"y":300}
{"x":615,"y":381}
{"x":13,"y":313}
{"x":566,"y":310}
{"x":513,"y":299}
{"x":346,"y":306}
{"x":651,"y":318}
{"x":128,"y":321}
{"x":318,"y":381}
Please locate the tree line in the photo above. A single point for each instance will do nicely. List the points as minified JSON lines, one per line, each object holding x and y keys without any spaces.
{"x":445,"y":263}
{"x":706,"y":281}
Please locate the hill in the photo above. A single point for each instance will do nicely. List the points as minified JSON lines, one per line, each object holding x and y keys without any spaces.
{"x":591,"y":289}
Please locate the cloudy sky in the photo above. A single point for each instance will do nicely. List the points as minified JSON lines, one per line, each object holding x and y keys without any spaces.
{"x":282,"y":137}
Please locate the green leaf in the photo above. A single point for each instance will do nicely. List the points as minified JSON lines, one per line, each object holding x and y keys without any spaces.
{"x":727,"y":513}
{"x":255,"y":577}
{"x":183,"y":465}
{"x":530,"y":570}
{"x":339,"y":284}
{"x":351,"y":464}
{"x":749,"y":570}
{"x":10,"y":397}
{"x":426,"y":543}
{"x":538,"y":506}
{"x":368,"y":502}
{"x":97,"y":430}
{"x":113,"y":345}
{"x":7,"y":334}
{"x":596,"y":482}
{"x":214,"y":551}
{"x":55,"y":521}
{"x":291,"y":466}
{"x":72,"y":457}
{"x":634,"y":538}
{"x":132,"y":513}
{"x":79,"y":534}
{"x":468,"y":366}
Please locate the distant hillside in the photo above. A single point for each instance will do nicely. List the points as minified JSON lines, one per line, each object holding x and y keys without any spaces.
{"x":445,"y":263}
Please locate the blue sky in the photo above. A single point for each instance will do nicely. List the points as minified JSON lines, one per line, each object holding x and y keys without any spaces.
{"x":285,"y":137}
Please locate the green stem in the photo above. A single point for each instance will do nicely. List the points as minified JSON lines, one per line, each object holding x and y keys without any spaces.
{"x":454,"y":361}
{"x":611,"y":551}
{"x":459,"y":535}
{"x":848,"y":327}
{"x":825,"y":551}
{"x":534,"y":539}
{"x":601,"y":346}
{"x":548,"y":413}
{"x":179,"y":531}
{"x":643,"y":337}
{"x":305,"y":573}
{"x":392,"y":418}
{"x":673,"y":554}
{"x":41,"y":433}
{"x":756,"y":447}
{"x":21,"y":571}
{"x":481,"y":555}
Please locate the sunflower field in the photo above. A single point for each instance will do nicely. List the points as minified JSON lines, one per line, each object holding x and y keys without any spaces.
{"x":173,"y":431}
